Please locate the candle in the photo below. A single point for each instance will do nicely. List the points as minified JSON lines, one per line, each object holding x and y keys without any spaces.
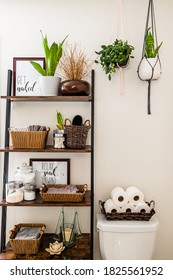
{"x":68,"y":232}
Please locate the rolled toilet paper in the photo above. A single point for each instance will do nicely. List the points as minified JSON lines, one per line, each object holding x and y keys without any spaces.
{"x":111,"y":207}
{"x":119,"y":196}
{"x":135,"y":195}
{"x":142,"y":208}
{"x":128,"y":208}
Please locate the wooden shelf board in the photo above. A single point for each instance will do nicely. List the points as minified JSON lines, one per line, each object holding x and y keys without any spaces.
{"x":80,"y":251}
{"x":48,"y":149}
{"x":48,"y":98}
{"x":39,"y":202}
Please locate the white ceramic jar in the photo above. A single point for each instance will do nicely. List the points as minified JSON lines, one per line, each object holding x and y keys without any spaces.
{"x":25,"y":174}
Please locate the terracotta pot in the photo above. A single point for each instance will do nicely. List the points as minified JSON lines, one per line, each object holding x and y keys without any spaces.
{"x":75,"y":87}
{"x":123,"y":65}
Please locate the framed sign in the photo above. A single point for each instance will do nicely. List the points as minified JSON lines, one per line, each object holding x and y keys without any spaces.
{"x":51,"y":171}
{"x":25,"y":77}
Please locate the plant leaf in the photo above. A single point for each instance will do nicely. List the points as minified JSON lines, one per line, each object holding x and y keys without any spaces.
{"x":52,"y":59}
{"x":39,"y":68}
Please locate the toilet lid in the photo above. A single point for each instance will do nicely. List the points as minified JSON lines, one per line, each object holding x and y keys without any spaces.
{"x":127,"y":226}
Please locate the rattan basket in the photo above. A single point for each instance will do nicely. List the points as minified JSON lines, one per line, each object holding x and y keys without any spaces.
{"x":29,"y":139}
{"x":62,"y":197}
{"x":128,"y":216}
{"x":25,"y":246}
{"x":76,"y":134}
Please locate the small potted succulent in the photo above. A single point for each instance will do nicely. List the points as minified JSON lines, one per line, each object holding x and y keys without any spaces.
{"x":75,"y":67}
{"x":149,"y":67}
{"x":59,"y":135}
{"x":48,"y":81}
{"x":114,"y":56}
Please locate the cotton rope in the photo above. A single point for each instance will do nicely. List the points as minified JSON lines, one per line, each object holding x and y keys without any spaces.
{"x":151,"y":17}
{"x":121,"y":31}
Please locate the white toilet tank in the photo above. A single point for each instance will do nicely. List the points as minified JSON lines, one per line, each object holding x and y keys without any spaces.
{"x":127,"y":240}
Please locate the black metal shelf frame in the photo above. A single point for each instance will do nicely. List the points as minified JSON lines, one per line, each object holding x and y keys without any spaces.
{"x":6,"y":159}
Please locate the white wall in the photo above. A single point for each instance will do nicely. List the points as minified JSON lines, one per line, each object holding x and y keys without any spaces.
{"x":131,"y":147}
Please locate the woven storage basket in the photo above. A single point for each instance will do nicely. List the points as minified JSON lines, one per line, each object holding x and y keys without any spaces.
{"x":25,"y":246}
{"x":29,"y":139}
{"x":62,"y":197}
{"x":128,"y":216}
{"x":76,"y":134}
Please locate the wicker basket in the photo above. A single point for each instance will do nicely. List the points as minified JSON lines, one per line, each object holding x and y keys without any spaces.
{"x":76,"y":134}
{"x":62,"y":197}
{"x":25,"y":246}
{"x":128,"y":216}
{"x":29,"y":139}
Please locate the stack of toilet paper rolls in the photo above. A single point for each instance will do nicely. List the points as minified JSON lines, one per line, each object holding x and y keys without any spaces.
{"x":130,"y":200}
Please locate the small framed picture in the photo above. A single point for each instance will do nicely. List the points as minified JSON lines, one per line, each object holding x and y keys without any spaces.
{"x":51,"y":171}
{"x":25,"y":77}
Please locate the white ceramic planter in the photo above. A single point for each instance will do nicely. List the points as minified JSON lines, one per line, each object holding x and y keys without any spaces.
{"x":49,"y":85}
{"x":145,"y":69}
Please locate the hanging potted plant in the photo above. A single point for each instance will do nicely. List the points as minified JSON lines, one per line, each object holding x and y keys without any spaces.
{"x":114,"y":56}
{"x":75,"y":67}
{"x":48,"y":81}
{"x":150,"y":67}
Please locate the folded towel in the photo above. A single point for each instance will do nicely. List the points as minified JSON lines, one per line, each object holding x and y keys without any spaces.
{"x":68,"y":189}
{"x":28,"y":233}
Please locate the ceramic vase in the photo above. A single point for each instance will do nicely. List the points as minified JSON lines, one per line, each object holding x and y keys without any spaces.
{"x":149,"y":69}
{"x":49,"y":85}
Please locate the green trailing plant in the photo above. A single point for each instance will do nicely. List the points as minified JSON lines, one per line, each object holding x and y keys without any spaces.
{"x":53,"y":55}
{"x":150,"y":50}
{"x":60,"y":122}
{"x":111,"y":56}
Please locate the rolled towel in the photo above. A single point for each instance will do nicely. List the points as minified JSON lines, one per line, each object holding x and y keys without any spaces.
{"x":128,"y":208}
{"x":135,"y":195}
{"x":111,"y":207}
{"x":142,"y":208}
{"x":119,"y":196}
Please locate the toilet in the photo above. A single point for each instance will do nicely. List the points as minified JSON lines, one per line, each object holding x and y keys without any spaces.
{"x":127,"y":240}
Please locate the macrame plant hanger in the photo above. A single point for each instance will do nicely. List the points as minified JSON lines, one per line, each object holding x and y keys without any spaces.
{"x":155,"y":66}
{"x":121,"y":24}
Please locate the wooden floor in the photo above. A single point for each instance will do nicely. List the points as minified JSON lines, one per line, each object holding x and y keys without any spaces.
{"x":80,"y":251}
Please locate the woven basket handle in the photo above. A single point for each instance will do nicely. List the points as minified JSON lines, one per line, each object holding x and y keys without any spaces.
{"x":66,"y":121}
{"x":101,"y":204}
{"x":85,"y":187}
{"x":13,"y":230}
{"x":87,"y":123}
{"x":152,"y":204}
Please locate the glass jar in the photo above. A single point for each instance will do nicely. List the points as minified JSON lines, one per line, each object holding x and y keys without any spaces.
{"x":25,"y":174}
{"x":14,"y":192}
{"x":59,"y":138}
{"x":29,"y":192}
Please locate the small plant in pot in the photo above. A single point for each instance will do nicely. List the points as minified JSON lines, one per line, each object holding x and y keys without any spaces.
{"x":59,"y":135}
{"x":48,"y":81}
{"x":75,"y":67}
{"x":149,"y":67}
{"x":114,"y":56}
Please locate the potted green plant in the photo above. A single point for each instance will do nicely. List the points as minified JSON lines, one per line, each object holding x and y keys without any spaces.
{"x":114,"y":55}
{"x":75,"y":67}
{"x":48,"y":81}
{"x":149,"y":68}
{"x":59,"y":133}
